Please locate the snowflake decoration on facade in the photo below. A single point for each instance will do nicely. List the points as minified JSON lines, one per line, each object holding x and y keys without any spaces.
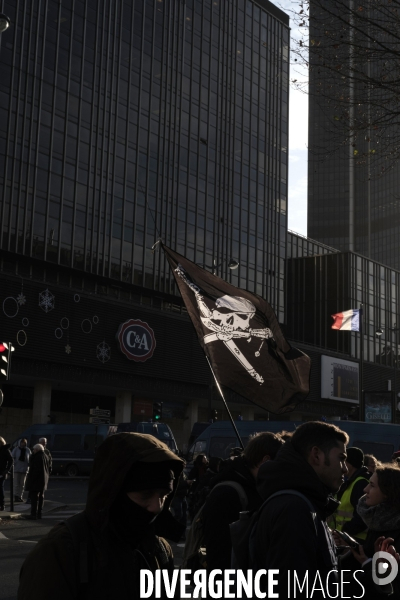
{"x":21,"y":299}
{"x":46,"y":301}
{"x":68,"y":349}
{"x":103,"y":352}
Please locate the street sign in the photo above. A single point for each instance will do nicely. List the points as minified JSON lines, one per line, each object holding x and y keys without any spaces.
{"x":99,"y":412}
{"x":99,"y":420}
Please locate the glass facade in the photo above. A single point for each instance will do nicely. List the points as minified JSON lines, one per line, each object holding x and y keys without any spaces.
{"x":324,"y":285}
{"x":351,"y":205}
{"x":299,"y":246}
{"x":126,"y":121}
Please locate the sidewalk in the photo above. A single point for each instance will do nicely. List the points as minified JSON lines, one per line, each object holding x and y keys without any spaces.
{"x":21,"y":508}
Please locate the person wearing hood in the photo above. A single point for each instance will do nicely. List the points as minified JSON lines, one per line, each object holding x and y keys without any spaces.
{"x":98,"y":554}
{"x":346,"y":518}
{"x":289,"y":536}
{"x":21,"y":455}
{"x":223,"y":504}
{"x":6,"y":461}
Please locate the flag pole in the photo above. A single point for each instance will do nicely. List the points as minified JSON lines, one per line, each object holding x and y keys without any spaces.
{"x":226,"y":405}
{"x":360,"y":383}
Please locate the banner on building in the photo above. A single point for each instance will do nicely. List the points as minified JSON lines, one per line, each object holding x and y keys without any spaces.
{"x":378,"y":407}
{"x":339,"y":379}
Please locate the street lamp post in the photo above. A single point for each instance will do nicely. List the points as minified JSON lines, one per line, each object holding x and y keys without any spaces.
{"x":393,"y":330}
{"x":5,"y":23}
{"x":232,"y":264}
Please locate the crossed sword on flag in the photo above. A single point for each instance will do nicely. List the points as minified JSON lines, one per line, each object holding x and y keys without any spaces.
{"x":221,"y":333}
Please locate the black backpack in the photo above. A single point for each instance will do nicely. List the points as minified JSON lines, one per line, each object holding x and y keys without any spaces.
{"x":243,"y":532}
{"x":195,"y":554}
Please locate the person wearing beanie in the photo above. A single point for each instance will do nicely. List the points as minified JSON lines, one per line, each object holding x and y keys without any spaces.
{"x":99,"y":553}
{"x":346,"y":518}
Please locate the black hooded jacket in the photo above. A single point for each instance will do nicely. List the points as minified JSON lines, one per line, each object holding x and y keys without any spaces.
{"x":286,"y":538}
{"x":122,"y":537}
{"x":38,"y":475}
{"x":222,"y":508}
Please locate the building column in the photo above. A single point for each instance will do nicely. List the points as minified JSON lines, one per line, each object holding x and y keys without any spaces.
{"x":41,"y":402}
{"x":247,"y":412}
{"x":123,"y":407}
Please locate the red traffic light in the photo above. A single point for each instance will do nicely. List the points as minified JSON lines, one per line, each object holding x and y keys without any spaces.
{"x":2,"y":348}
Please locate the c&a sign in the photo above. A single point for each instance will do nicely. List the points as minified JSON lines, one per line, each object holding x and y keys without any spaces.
{"x":136,"y":340}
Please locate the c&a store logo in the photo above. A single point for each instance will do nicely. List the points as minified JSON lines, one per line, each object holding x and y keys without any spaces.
{"x":137,"y":340}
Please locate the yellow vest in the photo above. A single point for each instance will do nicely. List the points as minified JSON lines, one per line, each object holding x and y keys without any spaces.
{"x":345,"y":511}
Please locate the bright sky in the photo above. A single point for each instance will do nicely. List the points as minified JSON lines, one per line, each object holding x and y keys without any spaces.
{"x":298,"y":135}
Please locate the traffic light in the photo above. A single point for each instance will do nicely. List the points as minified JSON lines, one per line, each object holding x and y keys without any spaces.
{"x":157,"y":411}
{"x":6,"y":348}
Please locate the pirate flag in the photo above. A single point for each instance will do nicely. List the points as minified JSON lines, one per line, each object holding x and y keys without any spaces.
{"x":240,"y":334}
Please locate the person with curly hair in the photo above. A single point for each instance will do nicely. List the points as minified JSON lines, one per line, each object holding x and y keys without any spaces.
{"x":380,"y":510}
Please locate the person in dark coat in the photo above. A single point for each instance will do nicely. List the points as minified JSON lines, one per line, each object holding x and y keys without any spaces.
{"x":287,"y":536}
{"x":179,"y":503}
{"x":203,"y":487}
{"x":212,"y":471}
{"x":199,"y":468}
{"x":223,"y":503}
{"x":47,"y":452}
{"x":37,"y":480}
{"x":6,"y":461}
{"x":21,"y":455}
{"x":131,"y":486}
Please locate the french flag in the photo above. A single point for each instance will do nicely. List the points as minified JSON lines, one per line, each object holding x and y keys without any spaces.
{"x":348,"y":320}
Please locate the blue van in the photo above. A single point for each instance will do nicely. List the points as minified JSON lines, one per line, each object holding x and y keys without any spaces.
{"x":379,"y":439}
{"x":72,"y":446}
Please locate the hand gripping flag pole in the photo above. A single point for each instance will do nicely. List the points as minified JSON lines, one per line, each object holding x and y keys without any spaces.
{"x":241,"y":337}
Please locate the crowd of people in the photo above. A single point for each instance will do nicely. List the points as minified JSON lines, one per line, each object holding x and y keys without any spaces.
{"x":348,"y":492}
{"x":30,"y":470}
{"x":311,"y":504}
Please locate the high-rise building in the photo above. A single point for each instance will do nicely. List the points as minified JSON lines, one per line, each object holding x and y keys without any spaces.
{"x":350,"y":207}
{"x":123,"y":122}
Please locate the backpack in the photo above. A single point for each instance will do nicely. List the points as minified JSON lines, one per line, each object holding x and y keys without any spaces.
{"x":243,"y":532}
{"x":194,"y":556}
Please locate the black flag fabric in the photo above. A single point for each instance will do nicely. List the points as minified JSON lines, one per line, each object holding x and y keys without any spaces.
{"x":240,"y":334}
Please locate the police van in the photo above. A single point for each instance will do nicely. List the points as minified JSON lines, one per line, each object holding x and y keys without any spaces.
{"x":73,"y":446}
{"x":379,"y":439}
